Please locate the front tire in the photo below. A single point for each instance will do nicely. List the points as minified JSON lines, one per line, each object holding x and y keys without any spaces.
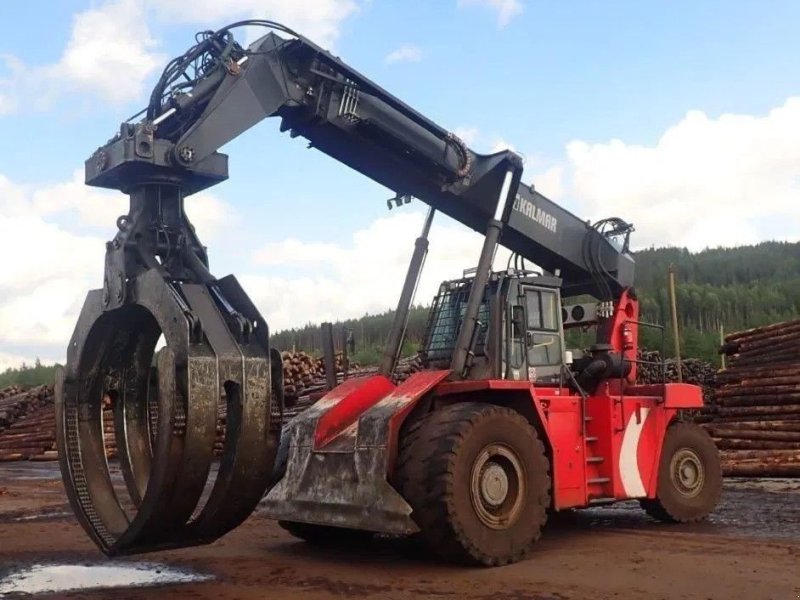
{"x":478,"y":480}
{"x":689,"y":476}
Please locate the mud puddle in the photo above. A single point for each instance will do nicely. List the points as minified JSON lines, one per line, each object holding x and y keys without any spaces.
{"x":53,"y":578}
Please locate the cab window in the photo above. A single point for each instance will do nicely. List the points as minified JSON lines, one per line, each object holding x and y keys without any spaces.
{"x":544,"y":338}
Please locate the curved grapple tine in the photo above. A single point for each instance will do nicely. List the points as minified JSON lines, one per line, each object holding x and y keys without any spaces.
{"x":130,"y":407}
{"x":111,"y":354}
{"x":253,"y":421}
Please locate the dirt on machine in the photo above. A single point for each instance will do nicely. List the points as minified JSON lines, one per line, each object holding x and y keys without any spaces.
{"x":505,"y":424}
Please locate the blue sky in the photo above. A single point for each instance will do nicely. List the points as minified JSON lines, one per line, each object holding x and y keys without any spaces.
{"x":698,"y":96}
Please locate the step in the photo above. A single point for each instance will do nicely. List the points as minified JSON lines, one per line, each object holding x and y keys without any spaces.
{"x":595,"y":459}
{"x":598,"y":480}
{"x":602,"y":500}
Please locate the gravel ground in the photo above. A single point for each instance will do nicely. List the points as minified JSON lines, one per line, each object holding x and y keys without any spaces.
{"x":749,"y":549}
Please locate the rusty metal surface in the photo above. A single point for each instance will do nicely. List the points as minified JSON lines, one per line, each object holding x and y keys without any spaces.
{"x":344,"y":483}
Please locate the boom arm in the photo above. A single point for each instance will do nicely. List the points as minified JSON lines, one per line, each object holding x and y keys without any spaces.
{"x":350,"y":118}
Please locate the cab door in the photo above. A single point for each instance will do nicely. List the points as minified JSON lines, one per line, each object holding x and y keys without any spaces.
{"x":544,"y":343}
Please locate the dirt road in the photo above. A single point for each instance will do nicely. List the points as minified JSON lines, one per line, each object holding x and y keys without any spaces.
{"x":750,"y":550}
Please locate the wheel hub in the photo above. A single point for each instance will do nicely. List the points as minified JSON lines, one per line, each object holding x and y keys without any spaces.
{"x":494,"y":484}
{"x":687,"y":472}
{"x":497,"y":486}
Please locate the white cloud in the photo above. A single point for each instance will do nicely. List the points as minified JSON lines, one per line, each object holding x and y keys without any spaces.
{"x":550,"y":183}
{"x":505,"y":9}
{"x":54,"y":253}
{"x":500,"y":144}
{"x":319,"y":20}
{"x":44,"y":280}
{"x":110,"y":54}
{"x":91,"y":207}
{"x":481,"y":142}
{"x":337,"y":281}
{"x":729,"y":180}
{"x":8,"y":361}
{"x":111,"y":51}
{"x":405,"y":53}
{"x":468,"y":135}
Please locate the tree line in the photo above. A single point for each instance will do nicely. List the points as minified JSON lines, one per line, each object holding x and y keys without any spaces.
{"x":729,"y":288}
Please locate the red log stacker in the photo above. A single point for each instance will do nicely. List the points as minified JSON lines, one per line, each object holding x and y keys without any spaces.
{"x":504,"y":425}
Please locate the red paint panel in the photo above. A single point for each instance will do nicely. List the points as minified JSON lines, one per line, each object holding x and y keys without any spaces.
{"x":683,"y":395}
{"x":465,"y":386}
{"x":349,"y":400}
{"x":569,"y":473}
{"x":405,"y":398}
{"x":417,"y":385}
{"x":625,"y":331}
{"x":675,"y":395}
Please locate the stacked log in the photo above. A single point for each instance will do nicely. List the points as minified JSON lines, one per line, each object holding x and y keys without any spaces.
{"x":300,"y":371}
{"x":16,"y":402}
{"x":693,"y":370}
{"x":406,"y":367}
{"x":304,"y":374}
{"x":756,"y":424}
{"x":27,"y":423}
{"x":31,"y":433}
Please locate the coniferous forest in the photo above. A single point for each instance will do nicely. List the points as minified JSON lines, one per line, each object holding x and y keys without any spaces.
{"x":732,"y":288}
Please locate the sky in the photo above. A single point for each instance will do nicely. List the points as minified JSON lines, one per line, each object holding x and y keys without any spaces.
{"x":680,"y":117}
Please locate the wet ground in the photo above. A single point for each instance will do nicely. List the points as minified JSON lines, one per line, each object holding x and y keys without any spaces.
{"x":750,"y":548}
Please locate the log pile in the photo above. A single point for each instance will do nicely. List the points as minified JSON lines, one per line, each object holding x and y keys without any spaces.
{"x":756,"y":422}
{"x":16,"y":403}
{"x":693,"y":370}
{"x":406,"y":367}
{"x":303,"y":374}
{"x":27,"y":423}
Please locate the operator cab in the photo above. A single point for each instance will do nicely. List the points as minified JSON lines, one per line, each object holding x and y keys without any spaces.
{"x":520,"y":334}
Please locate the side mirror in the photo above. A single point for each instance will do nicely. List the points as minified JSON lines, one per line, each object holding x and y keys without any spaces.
{"x":351,"y":342}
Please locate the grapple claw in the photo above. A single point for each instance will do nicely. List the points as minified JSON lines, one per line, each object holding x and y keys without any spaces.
{"x":165,"y":426}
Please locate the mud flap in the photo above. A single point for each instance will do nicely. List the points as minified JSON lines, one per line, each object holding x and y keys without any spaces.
{"x":340,"y":479}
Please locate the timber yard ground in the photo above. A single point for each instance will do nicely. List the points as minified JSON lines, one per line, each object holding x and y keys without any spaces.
{"x":750,"y":549}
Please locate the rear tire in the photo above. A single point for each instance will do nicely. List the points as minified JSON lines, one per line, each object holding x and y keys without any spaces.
{"x":478,"y":480}
{"x":326,"y":535}
{"x":689,"y":476}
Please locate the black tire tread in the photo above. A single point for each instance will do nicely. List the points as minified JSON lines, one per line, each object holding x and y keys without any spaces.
{"x":667,"y":510}
{"x":426,"y":463}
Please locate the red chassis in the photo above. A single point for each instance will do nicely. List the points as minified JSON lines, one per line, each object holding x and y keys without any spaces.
{"x":602,"y":447}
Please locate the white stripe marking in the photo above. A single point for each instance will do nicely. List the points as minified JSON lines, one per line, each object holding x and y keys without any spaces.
{"x":628,"y":460}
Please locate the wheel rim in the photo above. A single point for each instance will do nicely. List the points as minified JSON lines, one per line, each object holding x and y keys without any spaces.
{"x":687,"y":472}
{"x":497,"y":486}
